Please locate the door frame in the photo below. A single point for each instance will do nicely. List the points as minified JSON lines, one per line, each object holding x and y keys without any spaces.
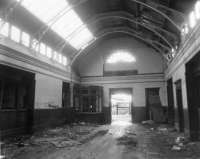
{"x":111,"y":90}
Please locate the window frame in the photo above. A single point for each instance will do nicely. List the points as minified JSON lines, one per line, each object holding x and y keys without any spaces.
{"x":15,"y":34}
{"x":25,"y":39}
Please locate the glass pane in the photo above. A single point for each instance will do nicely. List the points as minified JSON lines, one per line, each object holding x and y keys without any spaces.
{"x":64,"y":61}
{"x":49,"y":52}
{"x":67,"y":24}
{"x":45,"y":10}
{"x":81,"y":38}
{"x":5,"y":29}
{"x":59,"y":58}
{"x":15,"y":34}
{"x":43,"y":49}
{"x":55,"y":56}
{"x":25,"y":39}
{"x":35,"y":45}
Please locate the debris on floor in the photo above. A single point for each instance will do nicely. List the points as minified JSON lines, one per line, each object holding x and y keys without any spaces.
{"x":148,"y":122}
{"x":60,"y":137}
{"x":176,"y":148}
{"x":180,"y":143}
{"x":80,"y":140}
{"x":128,"y":141}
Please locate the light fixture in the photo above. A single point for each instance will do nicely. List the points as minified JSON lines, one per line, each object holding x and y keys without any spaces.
{"x":197,"y":10}
{"x":192,"y":19}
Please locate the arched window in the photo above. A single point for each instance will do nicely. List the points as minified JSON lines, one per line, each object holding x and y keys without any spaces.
{"x":121,"y":56}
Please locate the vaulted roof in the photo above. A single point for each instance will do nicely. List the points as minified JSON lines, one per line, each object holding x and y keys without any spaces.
{"x":157,"y":23}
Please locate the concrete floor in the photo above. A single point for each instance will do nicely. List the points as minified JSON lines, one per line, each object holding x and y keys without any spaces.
{"x":123,"y":140}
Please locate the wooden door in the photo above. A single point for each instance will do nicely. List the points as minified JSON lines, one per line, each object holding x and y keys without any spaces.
{"x":152,"y":100}
{"x":30,"y":105}
{"x":170,"y":97}
{"x":65,"y":95}
{"x":180,"y":105}
{"x":193,"y":94}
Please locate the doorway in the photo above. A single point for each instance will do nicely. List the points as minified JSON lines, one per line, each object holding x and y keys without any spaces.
{"x":193,"y":95}
{"x":180,"y":105}
{"x":65,"y":95}
{"x":170,"y":98}
{"x":17,"y":93}
{"x":121,"y":104}
{"x":153,"y":104}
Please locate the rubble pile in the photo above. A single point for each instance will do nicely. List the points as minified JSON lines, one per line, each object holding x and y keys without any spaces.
{"x":60,"y":137}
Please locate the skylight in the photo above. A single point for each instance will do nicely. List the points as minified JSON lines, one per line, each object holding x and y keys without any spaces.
{"x":121,"y":56}
{"x":197,"y":10}
{"x":69,"y":26}
{"x":81,"y":39}
{"x":192,"y":19}
{"x":45,"y":10}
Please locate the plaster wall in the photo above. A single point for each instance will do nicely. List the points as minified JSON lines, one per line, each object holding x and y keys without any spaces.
{"x":93,"y":62}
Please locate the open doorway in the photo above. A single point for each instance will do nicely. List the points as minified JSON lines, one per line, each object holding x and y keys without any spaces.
{"x":121,"y":103}
{"x":193,"y":95}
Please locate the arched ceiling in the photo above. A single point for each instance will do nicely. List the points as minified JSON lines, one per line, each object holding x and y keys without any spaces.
{"x":122,"y":31}
{"x":155,"y":22}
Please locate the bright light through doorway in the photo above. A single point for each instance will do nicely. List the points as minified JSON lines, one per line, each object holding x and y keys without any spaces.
{"x":121,"y":109}
{"x":121,"y":98}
